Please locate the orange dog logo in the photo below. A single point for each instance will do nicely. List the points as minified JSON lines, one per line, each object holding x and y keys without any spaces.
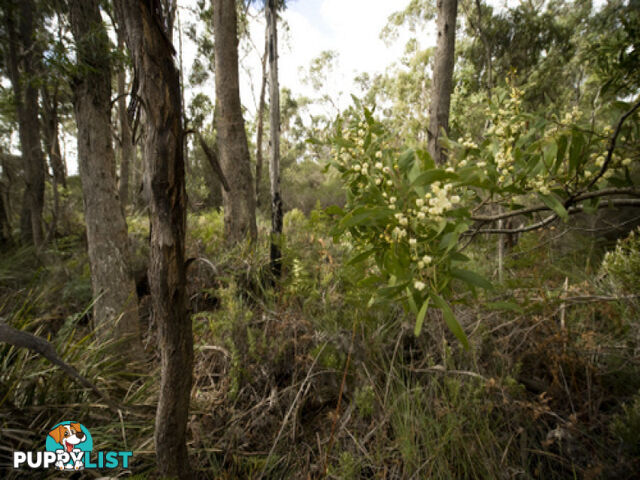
{"x":69,"y":436}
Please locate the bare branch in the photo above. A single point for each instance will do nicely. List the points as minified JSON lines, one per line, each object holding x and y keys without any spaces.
{"x":612,"y":144}
{"x":541,"y":208}
{"x":617,"y":202}
{"x":39,"y":345}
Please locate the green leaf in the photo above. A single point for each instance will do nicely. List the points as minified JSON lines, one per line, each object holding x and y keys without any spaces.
{"x":575,"y":151}
{"x":365,"y":216}
{"x":412,"y":302}
{"x":420,"y":318}
{"x":448,"y":241}
{"x":405,"y":160}
{"x":554,"y":204}
{"x":334,"y":210}
{"x":426,"y":162}
{"x":361,"y":256}
{"x":450,"y":320}
{"x":472,"y":278}
{"x":433,"y":175}
{"x":562,"y":150}
{"x":550,"y":153}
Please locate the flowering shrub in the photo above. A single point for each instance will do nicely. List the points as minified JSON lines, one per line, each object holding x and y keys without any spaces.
{"x":407,"y":214}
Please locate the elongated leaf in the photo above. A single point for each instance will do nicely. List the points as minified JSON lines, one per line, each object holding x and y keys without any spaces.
{"x":562,"y":150}
{"x":412,"y":303}
{"x":554,"y":204}
{"x":365,"y":215}
{"x":405,"y":160}
{"x":361,"y":256}
{"x":550,"y":154}
{"x":575,"y":151}
{"x":420,"y":318}
{"x":450,"y":320}
{"x":433,"y":175}
{"x":472,"y":278}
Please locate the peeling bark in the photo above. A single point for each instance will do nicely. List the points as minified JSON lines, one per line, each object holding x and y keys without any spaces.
{"x":159,"y":90}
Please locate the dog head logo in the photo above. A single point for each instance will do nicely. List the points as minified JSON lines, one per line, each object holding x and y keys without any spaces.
{"x":69,"y":440}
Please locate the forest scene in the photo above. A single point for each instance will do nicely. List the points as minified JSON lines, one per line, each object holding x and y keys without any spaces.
{"x":229,"y":250}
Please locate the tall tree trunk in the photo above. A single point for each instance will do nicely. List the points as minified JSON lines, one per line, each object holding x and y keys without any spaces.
{"x":52,"y":145}
{"x":127,"y":151}
{"x":442,"y":77}
{"x":240,"y":201}
{"x":261,"y":105}
{"x":159,"y":89}
{"x":274,"y":163}
{"x":23,"y":60}
{"x":115,"y":307}
{"x":185,"y":143}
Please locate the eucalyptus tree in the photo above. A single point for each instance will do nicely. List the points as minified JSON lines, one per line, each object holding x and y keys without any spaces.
{"x":22,"y":56}
{"x":274,"y":160}
{"x":442,"y":87}
{"x":239,"y":201}
{"x":115,"y":306}
{"x":152,"y":53}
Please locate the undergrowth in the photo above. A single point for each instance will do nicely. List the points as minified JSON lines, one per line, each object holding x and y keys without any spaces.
{"x":548,"y":388}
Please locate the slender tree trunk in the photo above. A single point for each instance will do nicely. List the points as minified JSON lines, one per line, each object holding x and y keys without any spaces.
{"x":51,"y":136}
{"x":159,"y":89}
{"x":5,"y":228}
{"x":52,"y":145}
{"x":274,"y":163}
{"x":22,"y":62}
{"x":261,"y":105}
{"x":127,"y":151}
{"x":115,"y":308}
{"x":442,"y":77}
{"x":240,"y":201}
{"x":185,"y":143}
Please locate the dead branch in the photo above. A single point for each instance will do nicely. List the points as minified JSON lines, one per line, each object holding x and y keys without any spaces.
{"x":618,"y":202}
{"x":540,"y":208}
{"x":39,"y":345}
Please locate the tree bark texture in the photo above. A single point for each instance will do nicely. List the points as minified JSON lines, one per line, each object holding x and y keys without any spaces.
{"x":442,"y":77}
{"x":22,"y":62}
{"x":126,"y":147}
{"x":274,"y":160}
{"x":239,"y":202}
{"x":115,"y":308}
{"x":159,"y":90}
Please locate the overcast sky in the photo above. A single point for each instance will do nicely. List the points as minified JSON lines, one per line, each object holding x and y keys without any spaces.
{"x":349,"y":27}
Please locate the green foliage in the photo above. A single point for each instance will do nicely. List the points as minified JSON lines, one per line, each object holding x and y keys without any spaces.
{"x":626,"y":425}
{"x":622,"y":265}
{"x":402,"y":212}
